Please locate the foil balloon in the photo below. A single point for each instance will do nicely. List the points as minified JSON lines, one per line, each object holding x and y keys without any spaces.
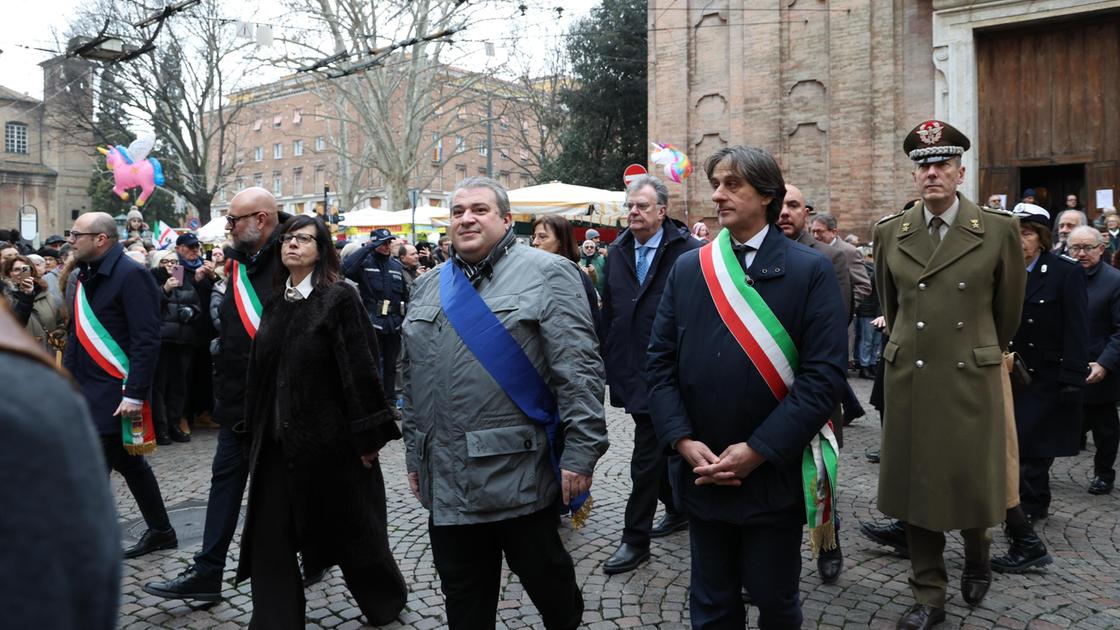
{"x":132,"y":168}
{"x":675,"y":163}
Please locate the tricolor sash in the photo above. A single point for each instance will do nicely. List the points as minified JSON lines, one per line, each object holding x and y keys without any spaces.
{"x":505,"y":361}
{"x":137,"y":433}
{"x":771,"y":350}
{"x":245,"y":296}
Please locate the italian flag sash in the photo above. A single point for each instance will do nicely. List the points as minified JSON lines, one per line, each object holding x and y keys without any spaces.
{"x":770,"y":348}
{"x":248,"y":304}
{"x":138,"y":433}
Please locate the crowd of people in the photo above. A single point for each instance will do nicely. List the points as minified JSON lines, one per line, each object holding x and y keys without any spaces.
{"x":730,"y":344}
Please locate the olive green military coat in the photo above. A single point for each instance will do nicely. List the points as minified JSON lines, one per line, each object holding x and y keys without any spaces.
{"x":951,"y":312}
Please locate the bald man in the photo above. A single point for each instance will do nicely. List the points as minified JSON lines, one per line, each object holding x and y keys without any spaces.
{"x":254,"y":222}
{"x":120,"y":303}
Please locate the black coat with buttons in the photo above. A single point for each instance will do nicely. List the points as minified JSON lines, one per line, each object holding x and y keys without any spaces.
{"x":1053,"y":342}
{"x":1103,"y":284}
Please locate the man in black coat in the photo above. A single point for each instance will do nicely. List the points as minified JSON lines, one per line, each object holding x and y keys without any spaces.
{"x":381,"y":283}
{"x":59,"y":523}
{"x":255,"y":224}
{"x":124,"y":301}
{"x":1102,"y":281}
{"x":738,"y":449}
{"x":635,"y":274}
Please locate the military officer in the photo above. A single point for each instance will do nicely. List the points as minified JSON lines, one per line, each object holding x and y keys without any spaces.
{"x":950,"y":279}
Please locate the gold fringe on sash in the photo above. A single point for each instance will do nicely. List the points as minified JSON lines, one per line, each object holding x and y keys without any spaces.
{"x":822,"y":538}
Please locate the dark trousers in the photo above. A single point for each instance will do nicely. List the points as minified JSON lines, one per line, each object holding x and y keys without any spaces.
{"x":200,"y":382}
{"x":390,"y":346}
{"x":1102,"y":420}
{"x":649,"y":475}
{"x":140,"y":479}
{"x":1034,"y":485}
{"x":277,"y":586}
{"x":469,"y":561}
{"x":766,"y":560}
{"x":929,"y":578}
{"x":228,"y":474}
{"x":169,"y":390}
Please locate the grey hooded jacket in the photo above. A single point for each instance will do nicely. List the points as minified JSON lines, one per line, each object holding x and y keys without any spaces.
{"x":478,"y":457}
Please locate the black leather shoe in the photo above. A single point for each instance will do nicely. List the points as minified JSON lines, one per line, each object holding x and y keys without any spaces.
{"x":975,"y":582}
{"x":1100,"y":486}
{"x":921,"y":617}
{"x":867,"y":373}
{"x":311,"y":578}
{"x":669,"y":524}
{"x":627,"y":558}
{"x":1027,"y":553}
{"x":152,"y":540}
{"x":178,"y":436}
{"x":892,"y":535}
{"x":163,"y":439}
{"x":190,"y":584}
{"x":829,"y":564}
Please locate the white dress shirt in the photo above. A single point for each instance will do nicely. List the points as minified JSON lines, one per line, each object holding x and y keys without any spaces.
{"x":755,"y":242}
{"x":299,"y":292}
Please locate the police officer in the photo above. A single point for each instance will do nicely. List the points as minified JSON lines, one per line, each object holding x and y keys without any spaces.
{"x":380,"y":278}
{"x":950,"y":278}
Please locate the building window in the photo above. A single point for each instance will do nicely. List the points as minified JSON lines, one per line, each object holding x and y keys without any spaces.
{"x":482,"y":148}
{"x":239,"y":184}
{"x":461,"y":113}
{"x":297,"y":181}
{"x":257,"y":124}
{"x":437,"y":147}
{"x":503,"y":178}
{"x":277,"y":182}
{"x":297,"y":148}
{"x":277,"y":120}
{"x":461,"y":168}
{"x":258,"y":154}
{"x":257,"y":180}
{"x":222,"y":194}
{"x":15,"y":137}
{"x":320,"y":143}
{"x":277,"y":151}
{"x":297,"y":116}
{"x":460,"y":144}
{"x":319,"y":177}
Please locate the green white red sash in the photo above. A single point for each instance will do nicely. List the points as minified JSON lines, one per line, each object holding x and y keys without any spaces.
{"x":248,"y":304}
{"x":137,"y":433}
{"x":770,"y":348}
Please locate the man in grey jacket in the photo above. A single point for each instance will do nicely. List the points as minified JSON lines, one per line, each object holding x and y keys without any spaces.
{"x":475,"y":460}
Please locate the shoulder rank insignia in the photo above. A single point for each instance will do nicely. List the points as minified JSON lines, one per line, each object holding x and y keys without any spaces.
{"x":905,"y":227}
{"x":1069,"y":259}
{"x":889,"y":217}
{"x":974,"y":223}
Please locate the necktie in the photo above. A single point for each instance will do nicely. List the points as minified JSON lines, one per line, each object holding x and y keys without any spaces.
{"x":935,"y":230}
{"x":643,"y":263}
{"x":292,"y":294}
{"x":741,"y":254}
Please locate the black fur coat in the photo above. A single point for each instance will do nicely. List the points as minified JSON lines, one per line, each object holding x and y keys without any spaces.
{"x":313,"y":392}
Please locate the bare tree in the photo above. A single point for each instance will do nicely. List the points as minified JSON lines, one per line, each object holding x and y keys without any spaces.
{"x":533,"y":115}
{"x":392,"y":104}
{"x":177,"y":89}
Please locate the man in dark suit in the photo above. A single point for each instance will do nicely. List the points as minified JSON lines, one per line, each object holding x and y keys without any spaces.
{"x":131,"y":322}
{"x":1102,"y":390}
{"x":635,"y":272}
{"x":255,"y":223}
{"x":739,"y":444}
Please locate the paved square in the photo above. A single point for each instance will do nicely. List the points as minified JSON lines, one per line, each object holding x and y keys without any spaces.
{"x":1080,"y":590}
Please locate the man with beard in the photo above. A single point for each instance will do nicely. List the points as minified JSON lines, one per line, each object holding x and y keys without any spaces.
{"x":255,"y":223}
{"x":793,"y":222}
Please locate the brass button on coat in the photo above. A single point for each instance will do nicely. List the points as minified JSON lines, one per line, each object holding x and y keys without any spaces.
{"x":920,"y":363}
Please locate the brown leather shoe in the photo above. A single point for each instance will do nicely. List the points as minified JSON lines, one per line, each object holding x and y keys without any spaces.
{"x":975,"y":582}
{"x":921,"y":617}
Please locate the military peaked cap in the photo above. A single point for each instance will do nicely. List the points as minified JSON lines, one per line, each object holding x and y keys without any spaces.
{"x":934,"y":141}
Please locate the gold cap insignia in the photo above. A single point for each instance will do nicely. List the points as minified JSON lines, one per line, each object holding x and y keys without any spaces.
{"x":905,"y":227}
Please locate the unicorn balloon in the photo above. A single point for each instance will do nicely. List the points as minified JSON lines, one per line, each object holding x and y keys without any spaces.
{"x":132,"y":168}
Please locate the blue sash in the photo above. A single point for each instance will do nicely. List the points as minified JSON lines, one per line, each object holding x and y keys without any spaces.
{"x":502,"y":357}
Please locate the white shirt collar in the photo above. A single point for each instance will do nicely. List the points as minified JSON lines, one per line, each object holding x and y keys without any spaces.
{"x":756,"y":240}
{"x":949,"y":216}
{"x":653,"y":241}
{"x":304,"y":288}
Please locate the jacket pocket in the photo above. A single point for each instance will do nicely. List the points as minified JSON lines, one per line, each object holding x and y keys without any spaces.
{"x":987,"y":355}
{"x":889,"y":351}
{"x":425,"y":473}
{"x":501,"y":468}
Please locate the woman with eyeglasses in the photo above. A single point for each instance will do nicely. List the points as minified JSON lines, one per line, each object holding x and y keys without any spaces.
{"x":318,"y":418}
{"x":554,"y":234}
{"x":34,"y":306}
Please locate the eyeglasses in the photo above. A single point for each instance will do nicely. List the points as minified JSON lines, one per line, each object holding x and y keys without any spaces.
{"x":640,"y":206}
{"x":1082,"y":248}
{"x":74,"y":236}
{"x":232,"y":219}
{"x":303,"y":239}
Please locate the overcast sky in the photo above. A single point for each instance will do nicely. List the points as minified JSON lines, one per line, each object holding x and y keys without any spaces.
{"x":28,"y":24}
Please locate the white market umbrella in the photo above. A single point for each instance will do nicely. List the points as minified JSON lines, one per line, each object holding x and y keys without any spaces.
{"x":567,"y":200}
{"x":369,"y":217}
{"x":214,"y":231}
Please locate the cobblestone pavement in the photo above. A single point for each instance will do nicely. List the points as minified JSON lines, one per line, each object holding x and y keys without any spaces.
{"x":1079,"y":590}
